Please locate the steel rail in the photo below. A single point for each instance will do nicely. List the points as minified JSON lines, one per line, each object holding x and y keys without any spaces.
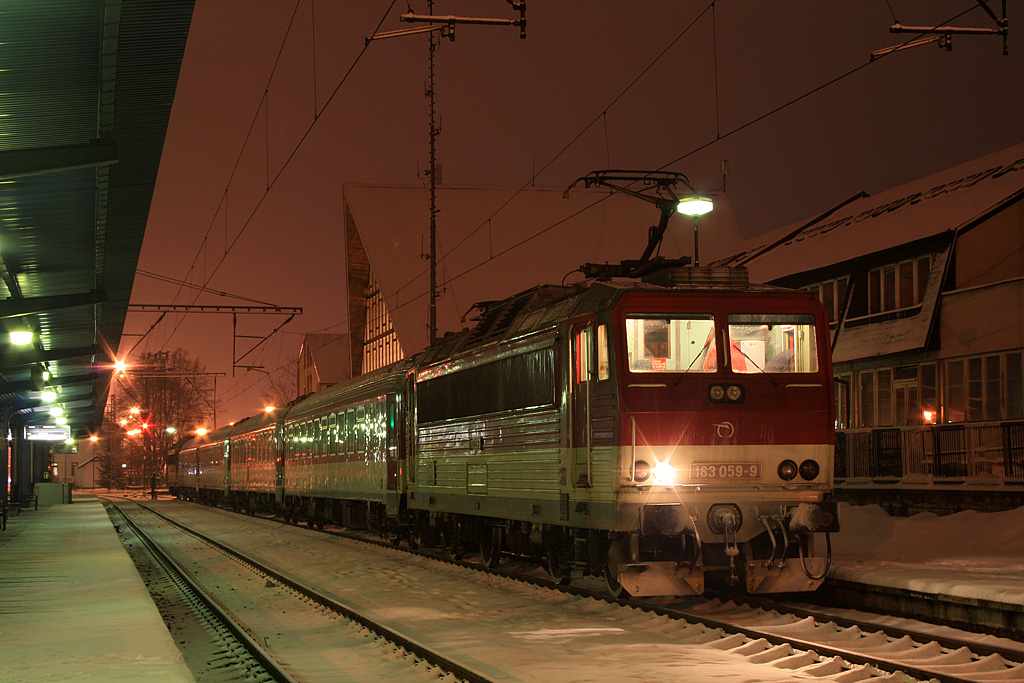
{"x":424,"y":652}
{"x":180,"y":576}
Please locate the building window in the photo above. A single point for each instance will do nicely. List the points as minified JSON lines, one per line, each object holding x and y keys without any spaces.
{"x":832,"y":295}
{"x":984,"y":388}
{"x":1014,"y":387}
{"x":929,"y":394}
{"x":955,"y":391}
{"x":843,"y":385}
{"x":380,"y":341}
{"x":898,"y":285}
{"x":884,"y":398}
{"x":866,"y":413}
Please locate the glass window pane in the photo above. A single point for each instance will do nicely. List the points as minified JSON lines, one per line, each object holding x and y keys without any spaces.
{"x":907,"y":284}
{"x":992,"y":388}
{"x":676,"y":344}
{"x":866,"y":415}
{"x":884,"y":398}
{"x":1014,"y":387}
{"x":975,"y":389}
{"x":874,"y":291}
{"x":889,"y":288}
{"x":772,"y":343}
{"x":956,"y":404}
{"x":828,"y":299}
{"x":929,"y":394}
{"x":603,"y":369}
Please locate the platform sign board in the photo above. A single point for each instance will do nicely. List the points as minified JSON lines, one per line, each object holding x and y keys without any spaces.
{"x":47,"y":432}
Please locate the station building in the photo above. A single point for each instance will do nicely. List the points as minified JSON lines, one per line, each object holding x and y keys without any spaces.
{"x":924,"y":285}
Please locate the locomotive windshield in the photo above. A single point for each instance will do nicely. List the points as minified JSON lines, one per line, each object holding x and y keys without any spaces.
{"x":671,"y":344}
{"x":773,"y":343}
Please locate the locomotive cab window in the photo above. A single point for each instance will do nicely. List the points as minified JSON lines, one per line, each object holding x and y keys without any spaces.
{"x":680,"y":343}
{"x":772,"y":343}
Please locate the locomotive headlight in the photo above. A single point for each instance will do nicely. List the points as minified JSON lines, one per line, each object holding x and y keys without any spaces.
{"x":716,"y":393}
{"x":664,"y":473}
{"x":809,"y":469}
{"x":787,"y":470}
{"x":641,"y":471}
{"x":734,"y":393}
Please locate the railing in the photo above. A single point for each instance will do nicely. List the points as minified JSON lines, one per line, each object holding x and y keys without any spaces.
{"x":948,"y":453}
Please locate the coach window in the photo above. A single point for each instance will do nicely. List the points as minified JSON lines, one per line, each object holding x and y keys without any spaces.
{"x":350,"y":432}
{"x":332,"y":435}
{"x":360,"y":429}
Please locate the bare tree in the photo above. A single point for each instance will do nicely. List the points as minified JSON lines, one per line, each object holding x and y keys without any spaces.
{"x":158,"y":399}
{"x":281,"y":386}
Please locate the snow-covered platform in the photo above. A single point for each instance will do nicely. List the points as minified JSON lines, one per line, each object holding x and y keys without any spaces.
{"x":72,"y":605}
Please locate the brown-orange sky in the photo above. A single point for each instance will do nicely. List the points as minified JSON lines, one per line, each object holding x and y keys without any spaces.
{"x":508,"y":107}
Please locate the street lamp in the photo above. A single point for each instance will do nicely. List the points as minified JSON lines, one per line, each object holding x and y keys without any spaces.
{"x":695,"y":206}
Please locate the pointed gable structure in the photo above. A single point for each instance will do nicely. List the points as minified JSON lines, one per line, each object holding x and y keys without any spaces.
{"x":492,"y":243}
{"x":323,"y":361}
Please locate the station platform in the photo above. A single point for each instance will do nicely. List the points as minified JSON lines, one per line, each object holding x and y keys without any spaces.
{"x":72,"y":605}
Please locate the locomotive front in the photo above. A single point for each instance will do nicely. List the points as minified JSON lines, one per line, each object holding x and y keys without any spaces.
{"x":726,"y":437}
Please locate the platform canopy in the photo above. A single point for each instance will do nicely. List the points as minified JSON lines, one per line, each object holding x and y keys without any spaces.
{"x":85,"y":95}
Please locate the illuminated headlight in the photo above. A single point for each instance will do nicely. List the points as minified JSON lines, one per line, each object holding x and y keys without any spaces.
{"x":641,"y":471}
{"x":664,"y":473}
{"x":787,"y":470}
{"x":809,"y":469}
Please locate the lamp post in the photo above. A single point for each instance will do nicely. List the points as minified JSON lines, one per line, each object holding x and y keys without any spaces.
{"x":696,"y":207}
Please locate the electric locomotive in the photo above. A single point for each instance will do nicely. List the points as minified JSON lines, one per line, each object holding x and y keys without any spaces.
{"x":660,"y":433}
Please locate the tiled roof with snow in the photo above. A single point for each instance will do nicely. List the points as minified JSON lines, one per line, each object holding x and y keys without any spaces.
{"x":946,"y":201}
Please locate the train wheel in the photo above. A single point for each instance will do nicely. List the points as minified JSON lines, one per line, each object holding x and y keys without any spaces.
{"x":490,"y":548}
{"x":559,"y":564}
{"x":618,"y":553}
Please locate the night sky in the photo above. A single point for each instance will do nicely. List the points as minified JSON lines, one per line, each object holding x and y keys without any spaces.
{"x":642,"y":85}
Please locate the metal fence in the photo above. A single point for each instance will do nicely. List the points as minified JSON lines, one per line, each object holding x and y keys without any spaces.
{"x":949,"y":452}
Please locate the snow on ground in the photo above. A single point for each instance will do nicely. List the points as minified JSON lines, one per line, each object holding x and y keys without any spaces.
{"x":978,"y":555}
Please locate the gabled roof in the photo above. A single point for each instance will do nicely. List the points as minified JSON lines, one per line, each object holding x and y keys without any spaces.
{"x":948,"y":201}
{"x":485,"y":248}
{"x":330,"y":354}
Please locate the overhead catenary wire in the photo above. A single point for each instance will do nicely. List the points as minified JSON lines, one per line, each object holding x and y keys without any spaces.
{"x":599,"y":117}
{"x":291,"y":156}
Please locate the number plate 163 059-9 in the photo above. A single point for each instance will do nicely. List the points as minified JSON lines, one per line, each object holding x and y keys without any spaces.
{"x":717,"y":471}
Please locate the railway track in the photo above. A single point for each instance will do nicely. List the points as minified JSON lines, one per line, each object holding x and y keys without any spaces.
{"x":804,"y":639}
{"x":213,"y":644}
{"x":281,"y":646}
